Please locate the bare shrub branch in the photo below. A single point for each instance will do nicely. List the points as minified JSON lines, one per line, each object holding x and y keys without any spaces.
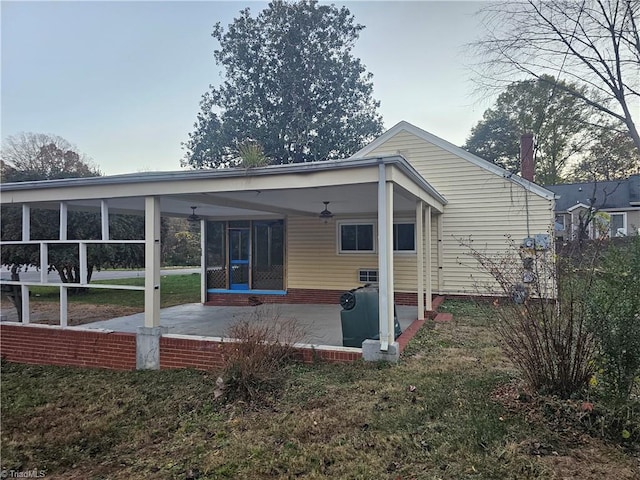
{"x":540,"y":315}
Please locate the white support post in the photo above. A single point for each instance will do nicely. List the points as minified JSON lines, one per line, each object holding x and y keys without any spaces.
{"x":63,"y":220}
{"x":104,"y":214}
{"x":203,"y":261}
{"x":440,"y":265}
{"x":385,"y":259}
{"x":26,"y":223}
{"x":420,"y":257}
{"x":44,"y":262}
{"x":64,"y":307}
{"x":84,"y":270}
{"x":390,"y":277}
{"x":26,"y":309}
{"x":427,"y":257}
{"x":152,"y":262}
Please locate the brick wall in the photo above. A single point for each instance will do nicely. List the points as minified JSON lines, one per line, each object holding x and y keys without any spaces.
{"x":192,"y":353}
{"x":80,"y":348}
{"x":296,"y":296}
{"x":117,"y":351}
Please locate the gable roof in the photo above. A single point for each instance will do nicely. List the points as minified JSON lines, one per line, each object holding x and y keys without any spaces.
{"x":616,"y":194}
{"x":459,"y":152}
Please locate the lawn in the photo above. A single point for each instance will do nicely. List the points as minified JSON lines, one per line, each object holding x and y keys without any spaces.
{"x":174,"y":290}
{"x":448,"y":410}
{"x":96,"y":304}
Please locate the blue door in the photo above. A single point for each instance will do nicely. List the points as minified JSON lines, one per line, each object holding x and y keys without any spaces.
{"x":239,"y":249}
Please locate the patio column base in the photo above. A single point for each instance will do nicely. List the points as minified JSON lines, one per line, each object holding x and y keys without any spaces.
{"x":148,"y":347}
{"x":371,"y":352}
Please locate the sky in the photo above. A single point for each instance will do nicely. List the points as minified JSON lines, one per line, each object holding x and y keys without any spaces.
{"x":122,"y":81}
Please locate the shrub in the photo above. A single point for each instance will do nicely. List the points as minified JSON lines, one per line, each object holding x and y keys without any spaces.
{"x":614,"y":318}
{"x":263,"y":345}
{"x":540,"y":316}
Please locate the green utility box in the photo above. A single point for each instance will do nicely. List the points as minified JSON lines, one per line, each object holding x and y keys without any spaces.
{"x":359,"y":316}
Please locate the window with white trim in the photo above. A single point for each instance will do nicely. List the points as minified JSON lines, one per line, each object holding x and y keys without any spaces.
{"x":618,"y":224}
{"x":356,"y":237}
{"x":404,"y":237}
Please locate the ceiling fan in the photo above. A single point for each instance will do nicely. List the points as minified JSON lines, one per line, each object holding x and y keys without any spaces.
{"x":193,"y":217}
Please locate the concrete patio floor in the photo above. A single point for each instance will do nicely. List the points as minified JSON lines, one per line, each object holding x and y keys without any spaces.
{"x":321,"y":323}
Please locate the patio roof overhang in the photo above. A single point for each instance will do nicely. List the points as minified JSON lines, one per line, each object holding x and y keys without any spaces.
{"x":380,"y":186}
{"x":279,"y":190}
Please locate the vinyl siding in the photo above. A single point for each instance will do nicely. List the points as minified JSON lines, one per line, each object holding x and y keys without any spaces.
{"x":314,"y":262}
{"x":482,"y":206}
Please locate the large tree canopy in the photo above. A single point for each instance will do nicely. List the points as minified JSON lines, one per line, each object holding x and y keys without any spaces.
{"x":594,"y":44}
{"x":559,"y":121}
{"x":612,"y":156}
{"x":291,"y":85}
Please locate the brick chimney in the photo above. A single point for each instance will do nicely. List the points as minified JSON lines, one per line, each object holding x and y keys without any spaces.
{"x":527,"y":168}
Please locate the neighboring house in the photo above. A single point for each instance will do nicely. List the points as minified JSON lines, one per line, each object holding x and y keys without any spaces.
{"x":394,"y":213}
{"x":616,"y":205}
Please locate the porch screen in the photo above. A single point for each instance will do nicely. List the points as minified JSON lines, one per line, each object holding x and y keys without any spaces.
{"x":268,"y":255}
{"x":266,"y":266}
{"x":216,"y":255}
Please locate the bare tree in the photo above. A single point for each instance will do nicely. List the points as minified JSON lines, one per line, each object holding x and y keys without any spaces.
{"x":39,"y":156}
{"x":592,"y":43}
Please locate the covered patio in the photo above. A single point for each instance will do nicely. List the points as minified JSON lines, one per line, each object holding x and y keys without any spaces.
{"x":319,"y":324}
{"x":314,"y":263}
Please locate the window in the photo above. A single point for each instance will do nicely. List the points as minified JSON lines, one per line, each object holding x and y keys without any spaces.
{"x":404,"y":237}
{"x":356,"y":237}
{"x":559,"y":223}
{"x":618,"y":225}
{"x":368,"y":276}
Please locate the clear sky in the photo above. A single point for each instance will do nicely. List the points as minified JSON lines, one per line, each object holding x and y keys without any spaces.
{"x":123,"y":80}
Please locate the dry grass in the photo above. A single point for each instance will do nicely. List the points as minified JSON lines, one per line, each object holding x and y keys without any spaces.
{"x":436,"y":415}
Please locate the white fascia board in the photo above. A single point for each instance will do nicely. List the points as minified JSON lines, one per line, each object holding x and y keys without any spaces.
{"x":576,"y":206}
{"x":459,"y":152}
{"x":328,"y":173}
{"x":619,"y":209}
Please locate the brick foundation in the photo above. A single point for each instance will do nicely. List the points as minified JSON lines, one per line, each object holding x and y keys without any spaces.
{"x":79,"y":348}
{"x":296,"y":296}
{"x":293,"y":295}
{"x":42,"y":345}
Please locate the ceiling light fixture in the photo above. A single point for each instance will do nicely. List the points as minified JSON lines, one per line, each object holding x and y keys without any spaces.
{"x":193,"y":217}
{"x":326,"y":215}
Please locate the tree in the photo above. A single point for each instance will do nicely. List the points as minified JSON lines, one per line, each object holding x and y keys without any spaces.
{"x":593,"y":44}
{"x":38,"y":156}
{"x":180,"y":242}
{"x":291,"y":85}
{"x":31,"y":156}
{"x":613,"y":156}
{"x":558,"y":120}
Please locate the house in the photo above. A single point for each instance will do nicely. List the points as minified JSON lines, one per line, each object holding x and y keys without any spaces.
{"x":616,"y":203}
{"x":395,"y":214}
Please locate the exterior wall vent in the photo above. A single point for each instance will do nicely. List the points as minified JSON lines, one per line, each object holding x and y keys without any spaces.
{"x":368,"y":275}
